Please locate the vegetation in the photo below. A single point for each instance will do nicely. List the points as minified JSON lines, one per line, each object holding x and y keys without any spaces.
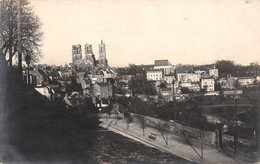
{"x":32,"y":34}
{"x":142,"y":120}
{"x":140,"y":85}
{"x":129,"y":120}
{"x":164,"y":129}
{"x":227,"y":67}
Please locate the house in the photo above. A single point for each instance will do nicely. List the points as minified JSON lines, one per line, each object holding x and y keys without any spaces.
{"x":222,"y":82}
{"x":200,"y":72}
{"x":103,"y":90}
{"x":154,"y":75}
{"x":181,"y":97}
{"x":208,"y":84}
{"x":169,"y":79}
{"x":45,"y":76}
{"x":45,"y":91}
{"x":212,"y":93}
{"x":98,"y":78}
{"x":185,"y":84}
{"x":167,"y":94}
{"x":245,"y":81}
{"x":39,"y":77}
{"x":213,"y":72}
{"x":188,"y":77}
{"x":191,"y":86}
{"x":232,"y":92}
{"x":231,"y":82}
{"x":195,"y":87}
{"x":176,"y":87}
{"x":109,"y":73}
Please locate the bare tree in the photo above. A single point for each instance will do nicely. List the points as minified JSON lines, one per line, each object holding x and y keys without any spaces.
{"x":129,"y":120}
{"x":32,"y":34}
{"x":142,"y":122}
{"x":164,"y":129}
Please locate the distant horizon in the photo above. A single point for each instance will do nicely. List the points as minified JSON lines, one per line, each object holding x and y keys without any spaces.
{"x":140,"y":32}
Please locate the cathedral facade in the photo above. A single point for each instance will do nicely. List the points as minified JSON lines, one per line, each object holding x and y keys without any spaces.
{"x":89,"y":59}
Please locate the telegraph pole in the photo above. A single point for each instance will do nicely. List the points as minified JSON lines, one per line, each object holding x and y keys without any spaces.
{"x":19,"y":39}
{"x":235,"y":136}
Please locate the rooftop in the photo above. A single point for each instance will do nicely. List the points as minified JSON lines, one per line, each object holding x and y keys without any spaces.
{"x":162,"y":62}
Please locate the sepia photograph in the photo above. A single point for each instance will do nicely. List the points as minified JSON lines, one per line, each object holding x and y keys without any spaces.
{"x":129,"y":81}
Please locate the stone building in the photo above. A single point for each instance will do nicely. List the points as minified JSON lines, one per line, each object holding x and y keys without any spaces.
{"x":164,"y":65}
{"x":89,"y":56}
{"x":76,"y":54}
{"x":154,"y":75}
{"x":102,"y":55}
{"x":89,"y":59}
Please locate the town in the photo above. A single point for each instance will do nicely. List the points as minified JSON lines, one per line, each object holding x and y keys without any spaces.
{"x":220,"y":98}
{"x":129,"y":82}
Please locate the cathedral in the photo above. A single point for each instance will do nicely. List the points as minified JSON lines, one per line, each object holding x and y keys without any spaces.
{"x":89,"y":60}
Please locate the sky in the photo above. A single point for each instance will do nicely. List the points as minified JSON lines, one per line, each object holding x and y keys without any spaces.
{"x":141,"y":31}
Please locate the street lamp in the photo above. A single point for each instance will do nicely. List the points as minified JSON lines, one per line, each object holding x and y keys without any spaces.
{"x":28,"y":60}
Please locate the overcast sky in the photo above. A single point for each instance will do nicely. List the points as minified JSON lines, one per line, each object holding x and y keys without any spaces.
{"x":140,"y":31}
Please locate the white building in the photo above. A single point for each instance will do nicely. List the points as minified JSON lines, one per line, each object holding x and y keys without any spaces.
{"x":188,"y":77}
{"x":191,"y":86}
{"x":166,"y":69}
{"x":164,"y":65}
{"x":208,"y":84}
{"x":244,"y":81}
{"x":154,"y":75}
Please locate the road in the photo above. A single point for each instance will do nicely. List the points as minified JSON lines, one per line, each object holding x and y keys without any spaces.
{"x":177,"y":145}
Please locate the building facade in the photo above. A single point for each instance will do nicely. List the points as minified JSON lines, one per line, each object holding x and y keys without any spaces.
{"x":244,"y":81}
{"x":213,"y":73}
{"x":208,"y":84}
{"x":164,"y":65}
{"x":102,"y":55}
{"x":76,"y":54}
{"x":154,"y":75}
{"x":89,"y":56}
{"x":188,"y":77}
{"x":89,"y":59}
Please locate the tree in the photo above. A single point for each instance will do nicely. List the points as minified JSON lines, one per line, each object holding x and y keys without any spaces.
{"x":142,"y":122}
{"x":255,"y":67}
{"x":164,"y":129}
{"x":32,"y":34}
{"x":163,"y":85}
{"x":184,"y":90}
{"x":225,"y":67}
{"x":218,"y":87}
{"x":225,"y":114}
{"x":129,"y":120}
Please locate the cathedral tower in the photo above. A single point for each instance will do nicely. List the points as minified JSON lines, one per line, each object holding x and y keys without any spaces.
{"x":76,"y":54}
{"x":89,"y":56}
{"x":102,"y":55}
